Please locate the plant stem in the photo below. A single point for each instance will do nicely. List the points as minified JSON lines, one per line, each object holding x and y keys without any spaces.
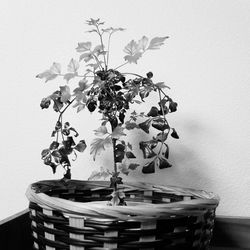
{"x":102,"y":44}
{"x":121,"y":65}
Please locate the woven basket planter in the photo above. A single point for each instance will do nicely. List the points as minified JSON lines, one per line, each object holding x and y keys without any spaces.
{"x":74,"y":215}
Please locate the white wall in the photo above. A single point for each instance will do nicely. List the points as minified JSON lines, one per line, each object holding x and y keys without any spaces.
{"x":205,"y":61}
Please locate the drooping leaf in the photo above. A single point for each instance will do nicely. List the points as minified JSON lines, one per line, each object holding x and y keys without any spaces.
{"x":153,"y":112}
{"x":145,"y":125}
{"x":133,"y":166}
{"x":147,"y":148}
{"x":45,"y":153}
{"x":174,"y":134}
{"x":117,"y":132}
{"x":163,"y":163}
{"x":65,"y":93}
{"x":149,"y":168}
{"x":99,"y":145}
{"x":160,"y":124}
{"x":45,"y":103}
{"x":119,"y":152}
{"x":101,"y":131}
{"x":84,"y":46}
{"x":156,"y":42}
{"x":161,"y":137}
{"x":80,"y":146}
{"x":173,"y":106}
{"x":166,"y":154}
{"x":130,"y":155}
{"x":54,"y":145}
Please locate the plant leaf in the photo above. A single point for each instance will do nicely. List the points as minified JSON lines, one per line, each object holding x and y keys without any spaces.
{"x":52,"y":73}
{"x":123,"y":168}
{"x":99,"y":145}
{"x":133,"y":166}
{"x":156,"y":42}
{"x":133,"y":52}
{"x":174,"y":134}
{"x":80,"y":146}
{"x":84,"y":46}
{"x":147,"y":147}
{"x":118,"y":132}
{"x":160,"y":124}
{"x":149,"y":168}
{"x":142,"y":43}
{"x":101,"y":131}
{"x":73,"y":66}
{"x":145,"y":125}
{"x":65,"y":93}
{"x":69,"y":76}
{"x":86,"y":56}
{"x":130,"y":155}
{"x":164,"y":163}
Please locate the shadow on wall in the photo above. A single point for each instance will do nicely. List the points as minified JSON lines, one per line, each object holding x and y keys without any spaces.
{"x":188,"y":168}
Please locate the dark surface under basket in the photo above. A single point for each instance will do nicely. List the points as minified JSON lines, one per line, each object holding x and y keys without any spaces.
{"x":172,"y":231}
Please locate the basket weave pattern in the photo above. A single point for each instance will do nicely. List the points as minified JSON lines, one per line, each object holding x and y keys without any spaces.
{"x":74,"y":215}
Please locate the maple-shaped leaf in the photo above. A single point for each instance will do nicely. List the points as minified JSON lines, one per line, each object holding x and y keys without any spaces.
{"x":133,"y":52}
{"x":117,"y":132}
{"x":156,"y":42}
{"x":80,"y":146}
{"x":73,"y":66}
{"x":101,"y":131}
{"x":69,"y":76}
{"x":84,"y":46}
{"x":65,"y":93}
{"x":133,"y":58}
{"x":52,"y":73}
{"x":86,"y":56}
{"x":99,"y":145}
{"x":142,"y":43}
{"x":99,"y":50}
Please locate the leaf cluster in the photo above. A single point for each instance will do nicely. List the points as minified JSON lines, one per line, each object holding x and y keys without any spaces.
{"x":112,"y":93}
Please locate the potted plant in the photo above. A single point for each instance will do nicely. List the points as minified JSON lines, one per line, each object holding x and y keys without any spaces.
{"x":73,"y":214}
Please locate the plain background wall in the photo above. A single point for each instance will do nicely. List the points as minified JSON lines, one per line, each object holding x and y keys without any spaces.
{"x":206,"y":62}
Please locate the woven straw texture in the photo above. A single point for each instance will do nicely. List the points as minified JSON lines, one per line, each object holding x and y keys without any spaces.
{"x":74,"y":215}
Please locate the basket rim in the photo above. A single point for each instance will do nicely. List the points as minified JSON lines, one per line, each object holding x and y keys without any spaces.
{"x":203,"y":200}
